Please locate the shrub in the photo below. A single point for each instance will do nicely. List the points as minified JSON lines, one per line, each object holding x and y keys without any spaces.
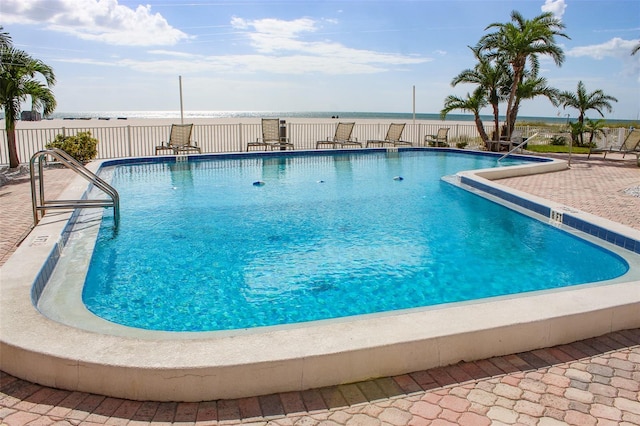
{"x":462,"y":141}
{"x":558,"y":140}
{"x":82,"y":146}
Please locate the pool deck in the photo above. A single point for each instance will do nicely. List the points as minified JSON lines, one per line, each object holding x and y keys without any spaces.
{"x":594,"y":381}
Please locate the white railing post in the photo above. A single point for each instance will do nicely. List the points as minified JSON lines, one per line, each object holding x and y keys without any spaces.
{"x":129,"y":141}
{"x":132,"y":141}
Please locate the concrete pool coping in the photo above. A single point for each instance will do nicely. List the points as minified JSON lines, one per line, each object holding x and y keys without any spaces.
{"x":159,"y":367}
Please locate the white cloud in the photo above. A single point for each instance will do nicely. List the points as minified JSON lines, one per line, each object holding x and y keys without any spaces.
{"x":171,"y":53}
{"x":281,"y":49}
{"x":616,"y":48}
{"x":557,"y":7}
{"x":243,"y":64}
{"x":105,"y":21}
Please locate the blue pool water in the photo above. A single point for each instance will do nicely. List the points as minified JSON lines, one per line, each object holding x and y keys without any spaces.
{"x":200,"y":247}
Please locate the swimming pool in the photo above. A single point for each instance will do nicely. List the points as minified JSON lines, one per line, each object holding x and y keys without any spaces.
{"x":223,"y":244}
{"x":75,"y":350}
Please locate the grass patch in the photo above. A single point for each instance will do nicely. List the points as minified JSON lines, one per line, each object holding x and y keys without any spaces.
{"x":557,"y":149}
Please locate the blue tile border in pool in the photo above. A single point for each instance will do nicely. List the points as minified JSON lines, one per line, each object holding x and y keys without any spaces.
{"x":602,"y":233}
{"x":320,"y":152}
{"x":52,"y":259}
{"x":233,"y":155}
{"x":514,"y":199}
{"x":567,"y":219}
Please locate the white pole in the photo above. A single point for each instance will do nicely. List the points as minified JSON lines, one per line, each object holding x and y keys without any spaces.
{"x":181,"y":107}
{"x":414,"y":104}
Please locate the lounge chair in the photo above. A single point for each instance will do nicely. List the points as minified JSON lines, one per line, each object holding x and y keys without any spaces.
{"x":631,"y":145}
{"x":516,"y":140}
{"x":342,"y":137}
{"x":179,"y":140}
{"x":394,"y":133}
{"x":440,"y":139}
{"x":271,"y":136}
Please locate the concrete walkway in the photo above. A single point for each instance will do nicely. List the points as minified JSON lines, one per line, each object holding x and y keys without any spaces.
{"x":591,"y":382}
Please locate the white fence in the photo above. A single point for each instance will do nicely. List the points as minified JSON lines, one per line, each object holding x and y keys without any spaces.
{"x":140,"y":141}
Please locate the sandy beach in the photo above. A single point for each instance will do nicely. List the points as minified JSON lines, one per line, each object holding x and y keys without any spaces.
{"x":115,"y":122}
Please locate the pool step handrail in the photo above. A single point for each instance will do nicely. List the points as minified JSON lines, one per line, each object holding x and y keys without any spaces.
{"x":41,"y":204}
{"x":517,"y":147}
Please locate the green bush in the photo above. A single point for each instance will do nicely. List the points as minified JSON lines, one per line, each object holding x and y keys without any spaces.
{"x":558,"y":140}
{"x":82,"y":146}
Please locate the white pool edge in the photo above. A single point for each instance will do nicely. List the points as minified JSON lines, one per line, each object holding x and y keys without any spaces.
{"x":40,"y":350}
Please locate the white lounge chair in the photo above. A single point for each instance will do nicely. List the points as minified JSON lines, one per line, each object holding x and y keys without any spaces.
{"x":341,"y":138}
{"x":631,"y":145}
{"x":179,"y":140}
{"x":271,"y":136}
{"x":440,"y":139}
{"x":393,"y":137}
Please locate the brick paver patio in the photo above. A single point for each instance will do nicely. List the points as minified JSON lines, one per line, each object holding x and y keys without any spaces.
{"x":591,"y":382}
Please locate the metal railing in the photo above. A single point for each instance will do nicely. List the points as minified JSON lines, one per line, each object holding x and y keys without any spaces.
{"x":140,"y":141}
{"x":41,"y":204}
{"x":518,"y":146}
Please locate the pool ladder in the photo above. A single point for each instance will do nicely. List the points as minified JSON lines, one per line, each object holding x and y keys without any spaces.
{"x":41,"y":204}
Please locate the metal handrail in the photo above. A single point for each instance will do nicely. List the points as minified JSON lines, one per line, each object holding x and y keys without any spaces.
{"x":73,"y":164}
{"x":517,"y":147}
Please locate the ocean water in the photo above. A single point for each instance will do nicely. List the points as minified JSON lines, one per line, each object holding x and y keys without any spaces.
{"x":201,"y":247}
{"x":298,"y":114}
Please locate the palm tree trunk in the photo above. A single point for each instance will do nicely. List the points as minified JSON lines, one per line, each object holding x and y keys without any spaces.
{"x":13,"y":149}
{"x":10,"y":127}
{"x":513,"y":115}
{"x":581,"y":120}
{"x":496,"y":122}
{"x":517,"y":77}
{"x":480,"y":127}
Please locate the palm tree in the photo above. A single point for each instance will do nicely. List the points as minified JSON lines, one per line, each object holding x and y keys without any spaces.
{"x":491,"y":76}
{"x":519,"y":43}
{"x":18,"y":82}
{"x":472,"y":103}
{"x":5,"y":39}
{"x":583,"y":102}
{"x":530,"y":88}
{"x":594,"y":127}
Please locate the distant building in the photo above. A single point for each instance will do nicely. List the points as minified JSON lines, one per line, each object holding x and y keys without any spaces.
{"x":30,"y":116}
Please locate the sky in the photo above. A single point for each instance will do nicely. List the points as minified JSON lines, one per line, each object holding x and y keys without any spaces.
{"x":308,"y":55}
